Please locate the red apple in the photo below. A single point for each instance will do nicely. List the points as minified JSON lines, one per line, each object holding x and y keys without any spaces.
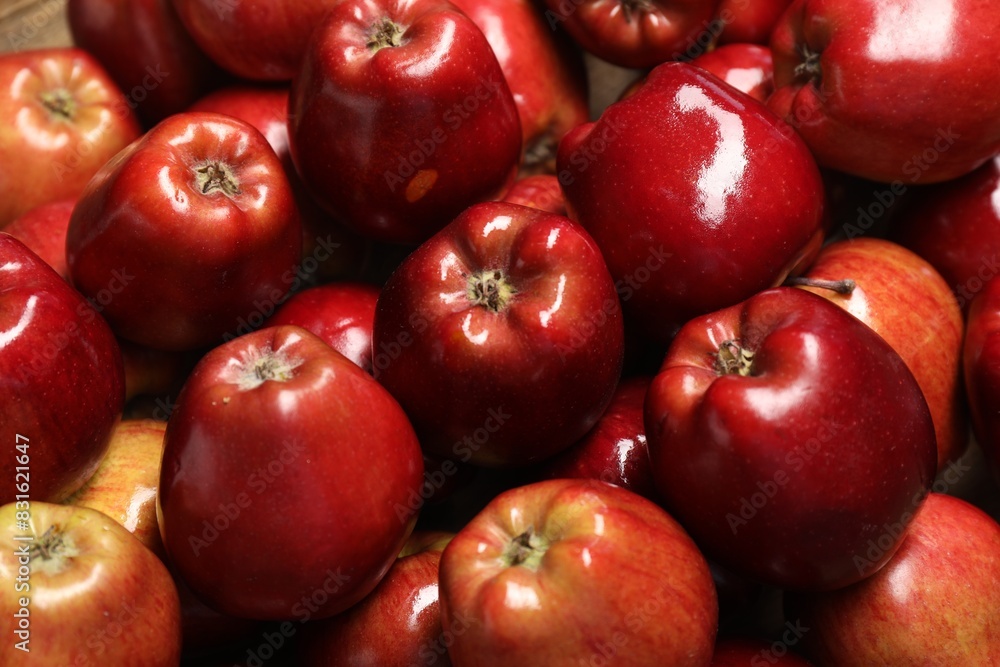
{"x":636,"y":33}
{"x":614,"y":451}
{"x":43,"y":230}
{"x":981,"y":364}
{"x":937,"y":602}
{"x":63,"y":117}
{"x":81,"y":590}
{"x":342,"y":314}
{"x":146,"y":50}
{"x":124,"y":486}
{"x":401,"y":118}
{"x":506,"y":297}
{"x":329,"y":250}
{"x":695,"y":196}
{"x":397,"y":625}
{"x":61,"y":380}
{"x":907,"y":303}
{"x":545,"y":74}
{"x":786,"y":436}
{"x":192,"y":230}
{"x":571,"y":572}
{"x":748,"y":21}
{"x":253,"y":41}
{"x":745,"y":67}
{"x":852,"y":77}
{"x":541,"y":191}
{"x":282,"y":466}
{"x":956,"y":227}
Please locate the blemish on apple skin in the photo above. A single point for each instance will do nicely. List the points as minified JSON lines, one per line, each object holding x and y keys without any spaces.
{"x":420,"y":184}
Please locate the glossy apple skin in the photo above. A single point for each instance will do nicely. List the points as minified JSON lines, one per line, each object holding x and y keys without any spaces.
{"x":830,"y":430}
{"x":541,"y":191}
{"x":981,"y":366}
{"x":629,"y":34}
{"x":58,"y":151}
{"x":206,"y":631}
{"x":43,"y":230}
{"x":459,"y":366}
{"x":680,"y":245}
{"x":545,"y":74}
{"x":261,"y":41}
{"x":605,"y":568}
{"x":101,"y":598}
{"x":124,"y":486}
{"x":337,"y":454}
{"x":864,"y":109}
{"x":749,"y":21}
{"x":757,"y":653}
{"x":397,"y":141}
{"x":61,"y":378}
{"x":905,"y":301}
{"x":397,"y":625}
{"x":266,"y":108}
{"x":956,"y":227}
{"x":146,"y":50}
{"x":614,"y":451}
{"x":342,"y":314}
{"x":746,"y":67}
{"x":184,"y":266}
{"x":937,"y":602}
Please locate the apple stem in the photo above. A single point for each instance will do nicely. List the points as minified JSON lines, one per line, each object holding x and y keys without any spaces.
{"x":491,"y":289}
{"x":50,"y":552}
{"x":634,"y":6}
{"x":386,"y":33}
{"x":845,"y":286}
{"x":526,"y":550}
{"x":60,"y":102}
{"x":809,"y":68}
{"x":734,"y":358}
{"x":262,"y":365}
{"x":216,"y":176}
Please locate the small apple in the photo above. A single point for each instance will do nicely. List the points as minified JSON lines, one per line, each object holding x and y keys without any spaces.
{"x":124,"y":486}
{"x":43,"y":230}
{"x":746,"y":67}
{"x":570,"y":571}
{"x":79,"y":589}
{"x":937,"y":602}
{"x":541,"y":191}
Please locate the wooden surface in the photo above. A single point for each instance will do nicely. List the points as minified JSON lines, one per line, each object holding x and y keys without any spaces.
{"x":33,"y":24}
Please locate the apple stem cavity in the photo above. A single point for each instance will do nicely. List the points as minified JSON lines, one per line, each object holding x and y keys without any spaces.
{"x":260,"y":365}
{"x":809,"y":69}
{"x":216,"y":177}
{"x":386,"y":33}
{"x":630,"y":7}
{"x":52,"y":552}
{"x":526,"y":550}
{"x":60,"y":103}
{"x":490,"y":289}
{"x":733,"y":358}
{"x":839,"y":286}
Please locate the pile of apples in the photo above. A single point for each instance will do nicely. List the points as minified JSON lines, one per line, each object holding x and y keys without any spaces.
{"x":347,"y":332}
